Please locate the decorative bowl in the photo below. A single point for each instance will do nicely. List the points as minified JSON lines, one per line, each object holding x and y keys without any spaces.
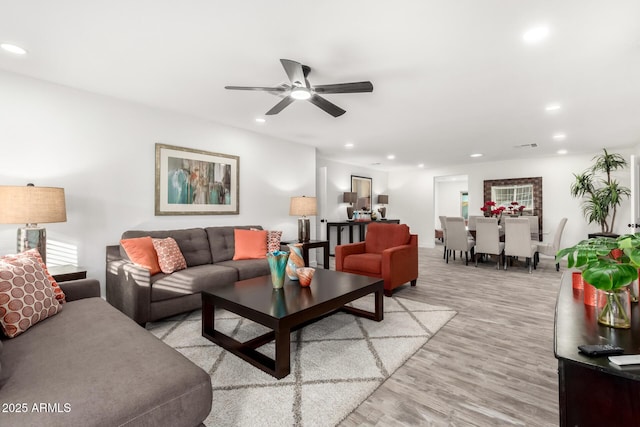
{"x":305,"y":274}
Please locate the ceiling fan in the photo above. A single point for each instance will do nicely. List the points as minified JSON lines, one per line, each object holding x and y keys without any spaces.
{"x":300,"y":89}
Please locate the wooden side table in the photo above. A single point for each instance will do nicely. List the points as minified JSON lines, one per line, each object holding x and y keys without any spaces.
{"x":313,"y":244}
{"x":64,"y":273}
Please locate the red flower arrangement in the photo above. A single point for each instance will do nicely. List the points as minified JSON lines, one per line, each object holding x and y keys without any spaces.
{"x":489,"y":209}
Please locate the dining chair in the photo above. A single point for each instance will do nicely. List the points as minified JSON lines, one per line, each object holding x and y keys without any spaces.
{"x":471,"y":225}
{"x":443,"y":226}
{"x":488,"y":239}
{"x":458,"y":239}
{"x":517,"y":241}
{"x":534,"y":226}
{"x":551,"y":249}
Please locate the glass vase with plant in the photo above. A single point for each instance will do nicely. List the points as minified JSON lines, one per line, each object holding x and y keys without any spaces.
{"x":610,"y":265}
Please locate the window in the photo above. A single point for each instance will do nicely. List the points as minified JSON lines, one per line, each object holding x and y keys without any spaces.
{"x":504,"y":195}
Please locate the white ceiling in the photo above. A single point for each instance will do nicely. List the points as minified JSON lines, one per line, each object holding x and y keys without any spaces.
{"x":450,"y":77}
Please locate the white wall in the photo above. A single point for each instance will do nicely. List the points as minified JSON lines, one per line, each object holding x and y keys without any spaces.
{"x":414,"y":193}
{"x":101,"y":150}
{"x":447,"y":199}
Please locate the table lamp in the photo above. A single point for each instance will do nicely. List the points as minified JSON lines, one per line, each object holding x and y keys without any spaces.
{"x":383,"y":199}
{"x":349,"y":197}
{"x":301,"y":207}
{"x":31,"y":205}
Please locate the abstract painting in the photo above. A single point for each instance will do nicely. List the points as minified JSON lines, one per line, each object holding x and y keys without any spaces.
{"x":196,"y":182}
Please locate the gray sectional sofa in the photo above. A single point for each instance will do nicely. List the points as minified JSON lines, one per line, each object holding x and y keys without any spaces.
{"x":209,"y":256}
{"x":89,"y":365}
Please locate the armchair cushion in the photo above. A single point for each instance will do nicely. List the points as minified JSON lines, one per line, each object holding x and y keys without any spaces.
{"x":370,"y":263}
{"x":384,"y":236}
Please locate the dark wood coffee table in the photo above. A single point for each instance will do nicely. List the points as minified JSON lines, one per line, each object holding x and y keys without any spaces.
{"x":285,"y":310}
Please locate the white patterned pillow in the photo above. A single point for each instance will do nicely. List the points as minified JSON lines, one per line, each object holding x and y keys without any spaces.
{"x":170,"y":257}
{"x":273,"y":240}
{"x":26,"y":295}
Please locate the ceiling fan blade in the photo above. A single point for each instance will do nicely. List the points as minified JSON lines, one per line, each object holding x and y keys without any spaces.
{"x":260,"y":88}
{"x":345,"y":88}
{"x":280,"y":106}
{"x":327,"y":106}
{"x":294,"y":72}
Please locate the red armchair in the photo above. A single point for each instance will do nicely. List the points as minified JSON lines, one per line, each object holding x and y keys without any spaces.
{"x":389,"y":251}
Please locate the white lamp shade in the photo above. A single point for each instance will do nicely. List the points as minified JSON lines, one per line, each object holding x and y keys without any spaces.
{"x":32,"y":205}
{"x":303,"y":206}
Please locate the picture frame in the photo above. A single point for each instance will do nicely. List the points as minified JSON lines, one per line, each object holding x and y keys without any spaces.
{"x":196,"y":182}
{"x":362,"y":186}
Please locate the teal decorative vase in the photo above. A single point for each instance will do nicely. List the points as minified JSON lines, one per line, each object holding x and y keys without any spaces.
{"x":295,"y":260}
{"x":278,"y":265}
{"x":278,"y":303}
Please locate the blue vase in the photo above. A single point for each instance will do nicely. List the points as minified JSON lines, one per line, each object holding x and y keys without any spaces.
{"x":278,"y":265}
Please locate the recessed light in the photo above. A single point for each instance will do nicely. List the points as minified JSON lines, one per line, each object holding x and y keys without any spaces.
{"x":421,"y":165}
{"x":348,"y":145}
{"x":535,"y":35}
{"x":260,"y":120}
{"x":553,"y":107}
{"x":476,"y":155}
{"x":559,"y":136}
{"x":391,"y":157}
{"x":13,"y":48}
{"x":562,"y":151}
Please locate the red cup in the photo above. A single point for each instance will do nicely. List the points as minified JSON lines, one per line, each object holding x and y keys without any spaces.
{"x":590,"y":296}
{"x":576,"y":279}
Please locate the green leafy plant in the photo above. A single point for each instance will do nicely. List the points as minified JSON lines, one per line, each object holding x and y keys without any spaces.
{"x":606,"y":263}
{"x":602,"y":196}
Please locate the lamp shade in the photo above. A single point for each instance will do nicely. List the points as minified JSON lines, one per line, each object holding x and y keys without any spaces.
{"x":383,"y":199}
{"x":303,"y":206}
{"x":32,"y":205}
{"x":349,"y":197}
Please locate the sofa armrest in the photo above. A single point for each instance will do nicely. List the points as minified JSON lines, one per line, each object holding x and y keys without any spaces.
{"x":128,"y":286}
{"x":79,"y":289}
{"x":342,"y":251}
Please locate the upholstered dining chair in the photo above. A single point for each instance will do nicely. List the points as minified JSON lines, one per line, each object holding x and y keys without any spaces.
{"x":517,"y":241}
{"x":551,"y":249}
{"x":389,"y":251}
{"x":488,"y":239}
{"x":443,"y":226}
{"x":534,"y":226}
{"x":471,"y":223}
{"x":458,"y":239}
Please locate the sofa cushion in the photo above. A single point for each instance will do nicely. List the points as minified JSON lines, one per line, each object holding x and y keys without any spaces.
{"x":193,"y":243}
{"x":170,"y":258}
{"x":26,"y":295}
{"x":222,"y":242}
{"x":250,"y":244}
{"x":190,"y":281}
{"x":366,"y":263}
{"x":140,"y":251}
{"x":384,"y":236}
{"x":248,"y":268}
{"x":101,"y":369}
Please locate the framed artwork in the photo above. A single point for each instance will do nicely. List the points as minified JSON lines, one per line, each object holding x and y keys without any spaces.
{"x":196,"y":182}
{"x":362,"y":185}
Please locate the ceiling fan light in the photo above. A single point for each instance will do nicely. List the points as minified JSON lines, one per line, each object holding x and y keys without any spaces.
{"x":300,"y":93}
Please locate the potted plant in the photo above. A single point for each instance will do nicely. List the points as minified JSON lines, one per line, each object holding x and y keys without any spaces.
{"x":610,"y":265}
{"x":602,"y":196}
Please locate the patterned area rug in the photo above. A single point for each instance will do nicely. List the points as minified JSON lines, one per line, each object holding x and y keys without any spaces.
{"x":336,"y":363}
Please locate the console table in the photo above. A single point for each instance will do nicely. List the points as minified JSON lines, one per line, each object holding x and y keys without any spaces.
{"x":593,"y":392}
{"x":360,"y":225}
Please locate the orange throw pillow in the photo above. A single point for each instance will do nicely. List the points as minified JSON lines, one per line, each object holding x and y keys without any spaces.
{"x":250,"y":244}
{"x":140,"y":251}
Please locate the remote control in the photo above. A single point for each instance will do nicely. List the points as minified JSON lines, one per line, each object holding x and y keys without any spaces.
{"x":628,"y":359}
{"x":600,"y":349}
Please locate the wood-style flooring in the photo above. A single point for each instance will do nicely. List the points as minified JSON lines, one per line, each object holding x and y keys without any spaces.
{"x":491,"y":365}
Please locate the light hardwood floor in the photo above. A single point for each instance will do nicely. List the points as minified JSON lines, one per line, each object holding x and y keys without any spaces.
{"x":491,"y":365}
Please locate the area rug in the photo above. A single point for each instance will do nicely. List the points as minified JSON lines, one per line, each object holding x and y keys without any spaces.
{"x":336,"y":363}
